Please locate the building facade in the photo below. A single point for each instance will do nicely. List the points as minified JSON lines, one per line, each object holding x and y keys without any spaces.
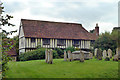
{"x":46,"y":34}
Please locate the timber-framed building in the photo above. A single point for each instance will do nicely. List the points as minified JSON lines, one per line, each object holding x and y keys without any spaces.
{"x":48,"y":34}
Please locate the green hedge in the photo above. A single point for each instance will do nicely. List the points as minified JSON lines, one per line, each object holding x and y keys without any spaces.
{"x":71,"y":49}
{"x":60,"y":52}
{"x":35,"y":55}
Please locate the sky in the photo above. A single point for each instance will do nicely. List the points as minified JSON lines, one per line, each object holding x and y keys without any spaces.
{"x":87,"y":13}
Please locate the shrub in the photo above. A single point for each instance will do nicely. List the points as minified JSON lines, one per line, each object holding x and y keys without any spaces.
{"x":107,"y":59}
{"x":70,"y":48}
{"x":35,"y":55}
{"x":60,"y":52}
{"x":55,"y":54}
{"x":77,"y":49}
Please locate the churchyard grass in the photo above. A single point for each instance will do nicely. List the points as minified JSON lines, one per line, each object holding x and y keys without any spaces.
{"x":63,"y":69}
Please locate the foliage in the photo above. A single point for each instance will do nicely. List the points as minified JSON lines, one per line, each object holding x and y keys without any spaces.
{"x":115,"y":35}
{"x":107,"y":59}
{"x":6,"y":45}
{"x":60,"y":52}
{"x":105,"y":42}
{"x":5,"y":42}
{"x":35,"y":55}
{"x":70,"y":48}
{"x":92,"y":31}
{"x":55,"y":54}
{"x":77,"y":49}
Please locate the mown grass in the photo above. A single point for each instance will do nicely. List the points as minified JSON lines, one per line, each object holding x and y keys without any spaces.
{"x":63,"y":69}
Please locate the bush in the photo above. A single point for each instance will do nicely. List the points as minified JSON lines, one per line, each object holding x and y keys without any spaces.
{"x":77,"y":49}
{"x":60,"y":52}
{"x":55,"y":54}
{"x":70,"y":48}
{"x":107,"y":59}
{"x":35,"y":55}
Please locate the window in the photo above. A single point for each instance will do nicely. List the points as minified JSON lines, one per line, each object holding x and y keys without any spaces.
{"x":46,"y":41}
{"x":76,"y":43}
{"x":92,"y":42}
{"x":32,"y":40}
{"x":61,"y":42}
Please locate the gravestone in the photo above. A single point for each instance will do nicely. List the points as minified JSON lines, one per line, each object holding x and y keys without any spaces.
{"x":75,"y":55}
{"x":69,"y":55}
{"x":99,"y":54}
{"x":49,"y":56}
{"x":81,"y":56}
{"x":65,"y":56}
{"x":46,"y":56}
{"x":109,"y":53}
{"x":115,"y":58}
{"x":95,"y":52}
{"x":118,"y":52}
{"x":90,"y":55}
{"x":104,"y":54}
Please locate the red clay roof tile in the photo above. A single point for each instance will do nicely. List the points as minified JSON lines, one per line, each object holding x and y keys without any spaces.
{"x":59,"y":30}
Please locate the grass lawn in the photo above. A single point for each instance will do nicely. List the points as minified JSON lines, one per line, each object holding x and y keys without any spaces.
{"x":60,"y":69}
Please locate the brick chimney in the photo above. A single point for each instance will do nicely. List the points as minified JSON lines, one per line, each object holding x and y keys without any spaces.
{"x":97,"y":29}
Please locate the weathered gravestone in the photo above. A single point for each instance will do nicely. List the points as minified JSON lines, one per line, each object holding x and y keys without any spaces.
{"x":109,"y":53}
{"x":46,"y":55}
{"x":49,"y":56}
{"x":90,"y":55}
{"x":75,"y":55}
{"x":99,"y":54}
{"x":81,"y":56}
{"x":118,"y":52}
{"x":95,"y":52}
{"x":69,"y":55}
{"x":104,"y":54}
{"x":65,"y":56}
{"x":117,"y":56}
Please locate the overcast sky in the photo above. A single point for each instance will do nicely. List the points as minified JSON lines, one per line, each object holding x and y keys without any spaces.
{"x":87,"y":13}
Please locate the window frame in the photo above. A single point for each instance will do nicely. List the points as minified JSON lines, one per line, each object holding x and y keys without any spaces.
{"x":46,"y":41}
{"x":61,"y":42}
{"x":74,"y":43}
{"x":32,"y":40}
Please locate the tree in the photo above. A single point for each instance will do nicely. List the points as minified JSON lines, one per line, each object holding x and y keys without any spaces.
{"x":4,"y":20}
{"x":115,"y":35}
{"x":105,"y":42}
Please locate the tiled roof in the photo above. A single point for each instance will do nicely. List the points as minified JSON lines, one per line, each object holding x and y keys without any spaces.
{"x":59,"y":30}
{"x":12,"y":51}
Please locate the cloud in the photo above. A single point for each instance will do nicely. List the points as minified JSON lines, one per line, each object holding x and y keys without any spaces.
{"x":85,"y":12}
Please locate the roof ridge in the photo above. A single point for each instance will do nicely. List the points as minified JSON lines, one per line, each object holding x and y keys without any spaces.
{"x":52,"y":21}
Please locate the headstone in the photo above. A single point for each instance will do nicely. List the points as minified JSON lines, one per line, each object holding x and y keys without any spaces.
{"x":99,"y":54}
{"x":109,"y":53}
{"x":65,"y":56}
{"x":90,"y":55}
{"x":81,"y":56}
{"x":95,"y":52}
{"x":69,"y":55}
{"x":118,"y":52}
{"x":46,"y":55}
{"x":75,"y":55}
{"x":49,"y":56}
{"x":115,"y":58}
{"x":104,"y":54}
